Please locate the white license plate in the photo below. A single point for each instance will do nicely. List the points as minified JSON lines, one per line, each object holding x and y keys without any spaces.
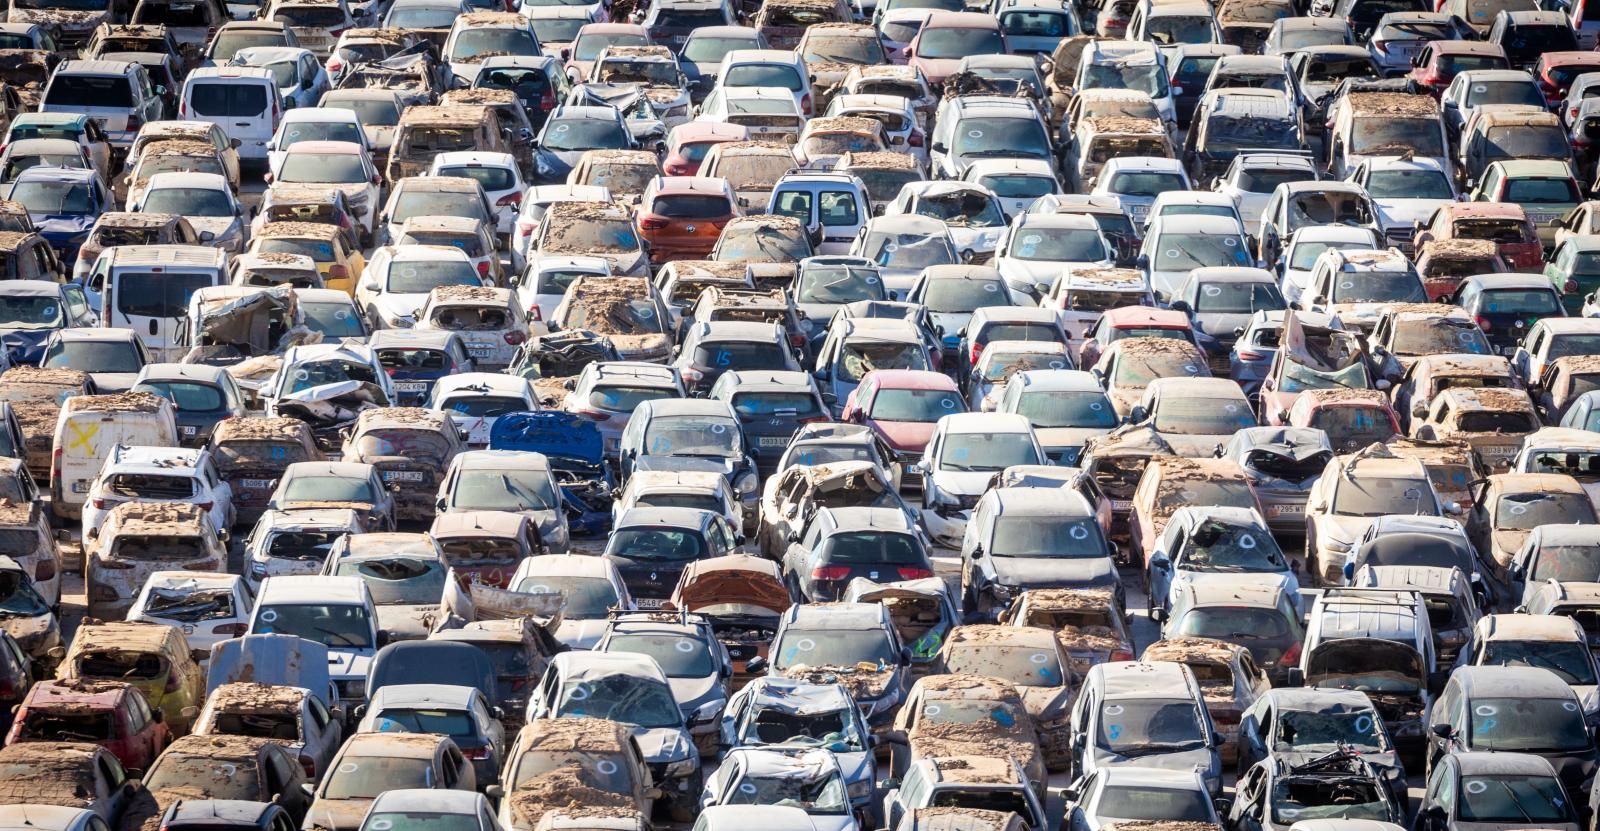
{"x":1286,"y":510}
{"x":480,"y":350}
{"x":255,"y":484}
{"x":1499,"y":452}
{"x":1508,"y":351}
{"x":1139,"y":211}
{"x":402,"y":476}
{"x":773,"y":441}
{"x":411,"y":386}
{"x":649,"y":602}
{"x":1540,"y":219}
{"x":187,"y":431}
{"x":1121,"y":504}
{"x":80,"y":486}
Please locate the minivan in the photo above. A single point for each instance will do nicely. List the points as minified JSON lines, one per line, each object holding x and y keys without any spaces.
{"x":243,"y":100}
{"x":89,"y":427}
{"x":834,"y":207}
{"x":146,"y":288}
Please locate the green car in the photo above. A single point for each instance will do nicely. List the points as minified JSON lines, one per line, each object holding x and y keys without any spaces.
{"x":1574,"y":270}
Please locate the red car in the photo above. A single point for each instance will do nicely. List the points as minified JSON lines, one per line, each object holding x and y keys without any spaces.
{"x":1502,"y":223}
{"x":688,"y":144}
{"x":1132,"y":322}
{"x":1353,"y":419}
{"x":111,"y":714}
{"x":1555,"y":72}
{"x":947,"y":37}
{"x":1440,"y":61}
{"x":682,"y":216}
{"x":903,"y":406}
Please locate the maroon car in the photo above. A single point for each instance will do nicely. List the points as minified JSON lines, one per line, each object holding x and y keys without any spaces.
{"x":902,"y":406}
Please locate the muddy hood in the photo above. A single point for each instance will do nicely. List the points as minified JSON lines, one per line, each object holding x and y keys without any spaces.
{"x":1055,"y":572}
{"x":404,"y":623}
{"x":337,"y":814}
{"x":1329,"y":664}
{"x":735,"y":587}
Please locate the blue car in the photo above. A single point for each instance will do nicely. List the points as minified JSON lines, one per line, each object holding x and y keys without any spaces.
{"x":63,"y":204}
{"x":572,"y":131}
{"x":1254,"y":349}
{"x":31,"y":310}
{"x":575,"y":450}
{"x":416,"y":358}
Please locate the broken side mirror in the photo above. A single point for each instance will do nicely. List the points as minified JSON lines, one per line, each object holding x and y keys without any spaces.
{"x":757,"y":664}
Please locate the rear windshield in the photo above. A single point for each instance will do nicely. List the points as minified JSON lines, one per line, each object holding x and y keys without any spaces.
{"x":89,"y":91}
{"x":172,"y":14}
{"x":227,"y":100}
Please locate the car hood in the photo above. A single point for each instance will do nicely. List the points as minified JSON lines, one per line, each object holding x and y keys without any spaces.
{"x":56,"y":224}
{"x":1067,"y":436}
{"x":107,"y":382}
{"x":1221,"y":324}
{"x":976,"y":239}
{"x":217,"y":225}
{"x":397,"y":306}
{"x":1345,"y":529}
{"x":1054,"y":572}
{"x":1032,"y":272}
{"x":1323,"y":661}
{"x":1509,"y":540}
{"x":337,"y":814}
{"x":1196,"y":446}
{"x":690,"y":693}
{"x":962,"y":483}
{"x":733,"y":586}
{"x":1400,"y":213}
{"x":344,"y":665}
{"x":580,"y":635}
{"x":407,"y":622}
{"x":1199,"y":759}
{"x":663,"y":744}
{"x":381,"y":137}
{"x":906,"y":435}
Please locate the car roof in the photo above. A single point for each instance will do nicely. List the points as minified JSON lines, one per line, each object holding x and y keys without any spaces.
{"x":311,"y":588}
{"x":1510,"y":682}
{"x":1142,"y":679}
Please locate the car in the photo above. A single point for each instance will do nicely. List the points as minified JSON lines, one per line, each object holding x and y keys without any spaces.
{"x":461,"y":712}
{"x":698,"y":667}
{"x":1098,"y":801}
{"x":409,"y":760}
{"x":1158,"y":704}
{"x":766,"y":775}
{"x":964,"y":450}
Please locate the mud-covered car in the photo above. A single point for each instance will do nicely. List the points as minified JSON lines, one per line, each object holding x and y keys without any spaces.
{"x":251,"y":454}
{"x":1351,"y":493}
{"x":1127,"y":367}
{"x":922,"y":612}
{"x":957,"y":714}
{"x":694,"y":660}
{"x":405,"y":574}
{"x":1432,"y":374}
{"x":1492,"y":421}
{"x":1351,"y":419}
{"x":1171,"y":482}
{"x":153,"y":657}
{"x":1444,"y":263}
{"x":371,"y":763}
{"x":1229,"y":679}
{"x":1280,"y":792}
{"x":233,"y":767}
{"x":1507,"y":507}
{"x":742,"y":598}
{"x":772,"y":245}
{"x":292,"y":716}
{"x":1090,"y":626}
{"x":137,"y":539}
{"x":1315,"y":353}
{"x":1030,"y":659}
{"x":490,"y":322}
{"x":411,"y":448}
{"x":486,"y":546}
{"x":777,"y":711}
{"x":25,"y":534}
{"x":629,"y":312}
{"x":1561,"y":383}
{"x":550,"y":756}
{"x":35,"y":396}
{"x":112,"y":712}
{"x":69,"y":774}
{"x":791,"y":496}
{"x":1408,"y":332}
{"x":1303,"y":724}
{"x":30,"y":620}
{"x":319,"y":485}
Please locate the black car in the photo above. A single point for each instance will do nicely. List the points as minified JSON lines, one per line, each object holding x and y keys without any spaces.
{"x":771,"y":406}
{"x":226,"y":815}
{"x":651,"y":547}
{"x":201,"y":397}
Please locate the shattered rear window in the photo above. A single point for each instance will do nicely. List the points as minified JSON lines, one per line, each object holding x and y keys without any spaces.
{"x":258,"y":725}
{"x":146,"y":486}
{"x":121,"y":666}
{"x":70,"y":726}
{"x":159,"y":549}
{"x":190,"y":607}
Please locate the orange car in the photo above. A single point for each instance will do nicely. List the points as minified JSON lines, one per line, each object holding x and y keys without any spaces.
{"x":682,"y":216}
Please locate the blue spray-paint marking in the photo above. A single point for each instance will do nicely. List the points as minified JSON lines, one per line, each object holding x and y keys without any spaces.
{"x":1113,"y":731}
{"x":1002,"y":717}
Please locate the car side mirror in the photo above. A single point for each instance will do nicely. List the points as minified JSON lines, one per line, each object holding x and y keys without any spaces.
{"x":1443,"y":731}
{"x":1136,"y":415}
{"x":1179,"y":306}
{"x":1159,"y":615}
{"x":1143,"y":262}
{"x":495,"y":792}
{"x":1453,"y":508}
{"x":309,"y":789}
{"x":757,"y":664}
{"x":158,"y":717}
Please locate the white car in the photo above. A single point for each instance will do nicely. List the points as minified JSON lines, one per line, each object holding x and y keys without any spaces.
{"x":396,"y":281}
{"x":1136,"y":181}
{"x":1252,"y":177}
{"x":342,"y":165}
{"x":476,"y":400}
{"x":489,"y":320}
{"x":1017,"y":183}
{"x":301,"y":77}
{"x":208,"y":607}
{"x":499,"y":175}
{"x":538,"y":199}
{"x":963,"y":454}
{"x":157,"y":474}
{"x":1305,"y":245}
{"x":592,"y":586}
{"x":315,"y":124}
{"x":768,"y":68}
{"x":972,"y":212}
{"x":544,"y":282}
{"x":315,"y":371}
{"x":1405,"y":191}
{"x":205,"y":199}
{"x":1037,"y":248}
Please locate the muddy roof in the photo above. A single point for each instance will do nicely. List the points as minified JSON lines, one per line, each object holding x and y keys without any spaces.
{"x":966,"y":686}
{"x":1159,"y":825}
{"x":1346,"y":396}
{"x":468,"y":294}
{"x":1069,"y":599}
{"x":959,"y":819}
{"x":404,"y":745}
{"x":122,"y":402}
{"x":993,"y":633}
{"x":1577,"y":364}
{"x":15,"y":513}
{"x":569,"y":211}
{"x":394,"y":36}
{"x":149,"y":518}
{"x":12,"y":58}
{"x":1187,"y":650}
{"x":661,"y":52}
{"x":491,"y":19}
{"x":65,"y":378}
{"x":1393,"y":104}
{"x":977,"y":769}
{"x":1177,"y":468}
{"x":571,"y":790}
{"x":880,"y":159}
{"x":752,"y":148}
{"x":1155,"y":346}
{"x":76,"y":693}
{"x":9,"y":240}
{"x":645,"y":158}
{"x":469,"y":114}
{"x":709,"y":268}
{"x":182,"y":146}
{"x":1125,"y":124}
{"x":843,"y":124}
{"x":1535,"y":483}
{"x":1485,"y":210}
{"x":412,"y":417}
{"x":1490,"y":398}
{"x":125,"y":219}
{"x":1250,"y":11}
{"x":117,"y":635}
{"x":60,"y":773}
{"x":1105,"y":276}
{"x":260,"y":429}
{"x":596,"y":735}
{"x":241,"y":749}
{"x":297,"y":229}
{"x":477,"y":524}
{"x":1458,"y":248}
{"x":1462,"y":364}
{"x":247,"y":697}
{"x":482,"y":96}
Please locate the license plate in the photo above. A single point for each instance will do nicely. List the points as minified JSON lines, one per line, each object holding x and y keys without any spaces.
{"x":1286,"y":510}
{"x":478,"y":350}
{"x":649,"y":602}
{"x":255,"y":484}
{"x":1499,"y":451}
{"x":402,"y":476}
{"x":187,"y":431}
{"x":80,"y":486}
{"x":1121,"y":504}
{"x":773,"y":441}
{"x":1139,"y":211}
{"x":1540,"y":219}
{"x":411,"y":386}
{"x":1508,"y":351}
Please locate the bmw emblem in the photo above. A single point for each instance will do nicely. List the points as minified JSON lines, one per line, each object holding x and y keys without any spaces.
{"x":689,"y":228}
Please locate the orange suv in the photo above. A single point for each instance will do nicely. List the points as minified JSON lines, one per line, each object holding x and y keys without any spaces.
{"x":682,"y":216}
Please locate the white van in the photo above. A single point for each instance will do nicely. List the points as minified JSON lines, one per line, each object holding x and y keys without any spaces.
{"x":147,"y":288}
{"x":243,"y":100}
{"x":89,"y":428}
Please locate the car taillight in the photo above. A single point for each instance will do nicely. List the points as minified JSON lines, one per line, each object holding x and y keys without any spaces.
{"x":914,"y":573}
{"x":483,"y":269}
{"x":652,"y":223}
{"x":514,"y":337}
{"x":977,"y":352}
{"x":1290,"y":656}
{"x":1121,"y":655}
{"x":1252,"y":355}
{"x":338,"y":271}
{"x":1569,"y":287}
{"x":335,"y":65}
{"x":476,"y":753}
{"x":1483,"y":323}
{"x":101,"y":504}
{"x":204,"y":506}
{"x":230,"y":629}
{"x":593,"y":415}
{"x":547,"y":102}
{"x":135,"y":122}
{"x":689,"y":373}
{"x":1382,"y":47}
{"x":45,"y":570}
{"x":535,"y":313}
{"x":527,"y":228}
{"x":805,"y":104}
{"x":797,"y":340}
{"x":309,"y":765}
{"x":916,"y":138}
{"x":510,"y":200}
{"x":830,"y":572}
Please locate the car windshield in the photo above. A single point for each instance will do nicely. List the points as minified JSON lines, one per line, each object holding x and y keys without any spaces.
{"x":1378,"y":287}
{"x":322,"y":168}
{"x":997,"y":366}
{"x":415,"y":276}
{"x":1019,"y":186}
{"x":417,"y":820}
{"x":1146,"y":78}
{"x":1542,"y":190}
{"x":1188,"y":415}
{"x":1372,"y":496}
{"x":1519,"y":302}
{"x":1239,"y":623}
{"x":1155,"y":804}
{"x":1239,"y":298}
{"x":30,"y":313}
{"x":495,"y":40}
{"x":813,"y":788}
{"x":658,"y":544}
{"x":454,"y":723}
{"x":1047,"y":409}
{"x":1526,"y":511}
{"x":921,"y":406}
{"x":969,"y":452}
{"x":60,"y":198}
{"x":1513,"y":800}
{"x":188,"y":202}
{"x":573,"y":134}
{"x":1381,"y":137}
{"x":857,"y":357}
{"x":1527,"y":725}
{"x":336,"y":626}
{"x":371,"y":112}
{"x":978,"y":137}
{"x":504,"y":490}
{"x":1304,"y":255}
{"x":708,"y":50}
{"x":1304,"y":730}
{"x":778,"y":75}
{"x":365,"y":777}
{"x":960,"y":295}
{"x":1182,"y":252}
{"x":327,"y":489}
{"x":1482,"y":92}
{"x":1059,"y":245}
{"x":1438,"y":336}
{"x":1061,"y":537}
{"x":834,"y":647}
{"x":679,"y":656}
{"x":1568,"y":659}
{"x":1145,"y":726}
{"x":1173,"y":29}
{"x":94,"y":356}
{"x":956,"y":42}
{"x":630,"y":699}
{"x":1024,"y":666}
{"x":1409,"y":184}
{"x":1296,"y":799}
{"x":586,"y":598}
{"x":1227,"y":548}
{"x":1148,"y":183}
{"x":693,"y":435}
{"x":848,"y":50}
{"x":914,"y":251}
{"x":838,"y":284}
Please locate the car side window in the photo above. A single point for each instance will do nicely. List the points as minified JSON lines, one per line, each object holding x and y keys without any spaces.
{"x":319,"y":714}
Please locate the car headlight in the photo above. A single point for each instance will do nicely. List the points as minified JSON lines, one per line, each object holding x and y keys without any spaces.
{"x":1334,"y":544}
{"x":682,"y":767}
{"x":1002,"y":591}
{"x":543,"y":167}
{"x":746,"y":483}
{"x":258,"y":570}
{"x":860,"y":790}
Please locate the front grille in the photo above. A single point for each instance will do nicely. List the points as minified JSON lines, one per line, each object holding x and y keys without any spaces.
{"x":968,"y":501}
{"x":1219,"y":364}
{"x":353,"y":690}
{"x":1399,"y":238}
